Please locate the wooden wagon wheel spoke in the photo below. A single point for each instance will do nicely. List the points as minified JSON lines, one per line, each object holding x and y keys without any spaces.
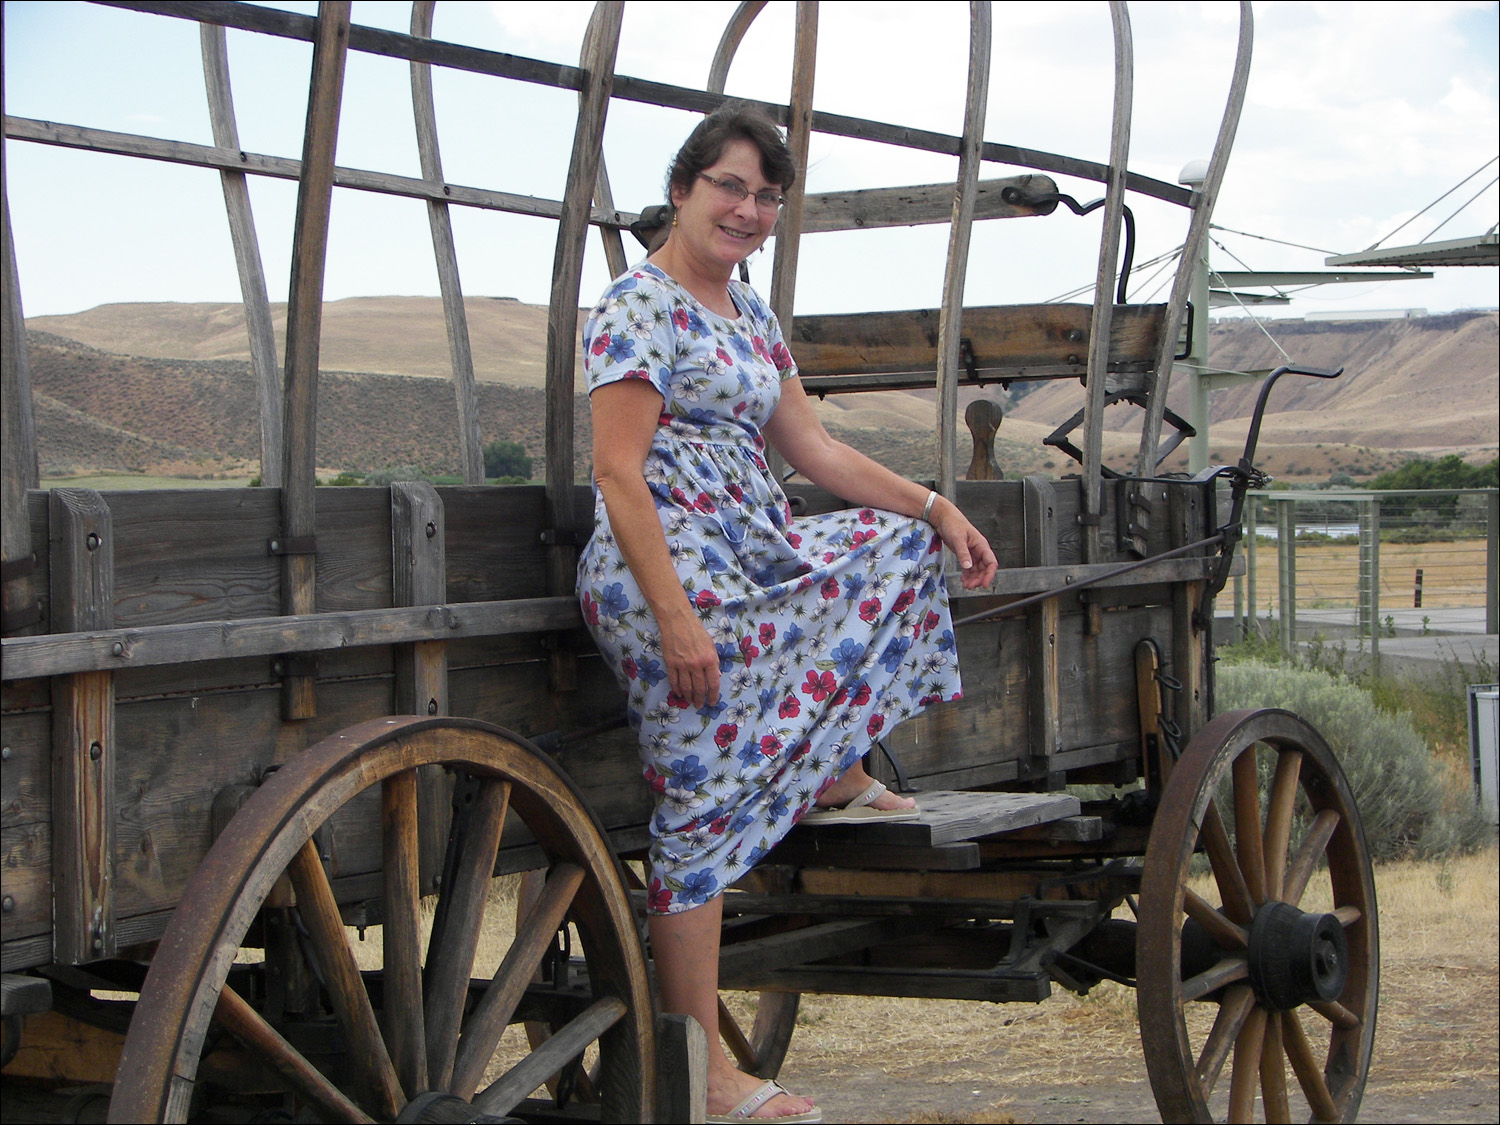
{"x":250,"y":1028}
{"x":1273,"y":1074}
{"x":534,"y":935}
{"x":1238,"y":1003}
{"x":1314,"y":844}
{"x":1258,"y":955}
{"x":402,"y":906}
{"x":1279,"y":819}
{"x":1306,"y":1067}
{"x":382,"y":1011}
{"x":1247,"y":831}
{"x":1246,"y":1071}
{"x":376,"y":1077}
{"x":1233,"y":891}
{"x":479,"y":820}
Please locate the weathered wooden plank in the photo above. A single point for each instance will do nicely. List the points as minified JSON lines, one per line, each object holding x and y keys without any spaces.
{"x":285,"y":168}
{"x":950,"y":320}
{"x":267,"y":636}
{"x":26,"y":884}
{"x":1044,"y":702}
{"x":798,"y":136}
{"x":84,"y":749}
{"x":440,"y":224}
{"x":26,"y":776}
{"x":1009,"y":342}
{"x":1104,"y":281}
{"x":949,"y":817}
{"x":927,"y":984}
{"x":18,"y":453}
{"x":923,"y":204}
{"x":304,"y":319}
{"x":246,"y":254}
{"x":1194,"y":246}
{"x":681,"y":1069}
{"x":818,"y":849}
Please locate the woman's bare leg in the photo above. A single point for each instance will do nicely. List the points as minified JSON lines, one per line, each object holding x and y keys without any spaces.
{"x":685,"y":947}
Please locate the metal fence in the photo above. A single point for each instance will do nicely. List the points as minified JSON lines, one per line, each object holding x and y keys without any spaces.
{"x":1361,"y":566}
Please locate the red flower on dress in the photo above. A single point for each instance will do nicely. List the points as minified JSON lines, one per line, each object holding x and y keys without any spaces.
{"x":861,"y":695}
{"x":864,"y":537}
{"x":794,"y":539}
{"x":770,"y":745}
{"x":830,"y":588}
{"x":706,"y":599}
{"x":931,"y":623}
{"x":704,"y":504}
{"x":628,"y":667}
{"x":680,"y":318}
{"x":869,"y":609}
{"x":601,"y":343}
{"x":875,"y":725}
{"x":820,"y":687}
{"x":789,"y":708}
{"x":726,"y":734}
{"x":677,"y":701}
{"x":866,"y":516}
{"x":767,"y":633}
{"x":903,"y":603}
{"x":659,"y":897}
{"x":590,"y":609}
{"x":748,"y":649}
{"x":725,"y":357}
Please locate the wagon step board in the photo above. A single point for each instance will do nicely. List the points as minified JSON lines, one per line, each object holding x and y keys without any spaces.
{"x":950,"y":817}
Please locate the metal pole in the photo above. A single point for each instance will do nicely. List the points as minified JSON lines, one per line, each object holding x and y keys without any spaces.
{"x":1286,"y":574}
{"x":1492,"y":563}
{"x":1252,"y":533}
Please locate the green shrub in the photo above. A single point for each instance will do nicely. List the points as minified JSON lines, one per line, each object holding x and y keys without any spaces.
{"x":507,"y":459}
{"x":1406,"y":808}
{"x":384,"y":477}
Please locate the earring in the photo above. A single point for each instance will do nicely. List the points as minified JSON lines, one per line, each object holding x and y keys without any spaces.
{"x":674,"y":220}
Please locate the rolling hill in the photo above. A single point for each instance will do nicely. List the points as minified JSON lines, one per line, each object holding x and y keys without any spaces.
{"x":167,"y":388}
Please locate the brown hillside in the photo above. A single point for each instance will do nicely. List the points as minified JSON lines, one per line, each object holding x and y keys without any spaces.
{"x":1426,"y":385}
{"x":182,"y":393}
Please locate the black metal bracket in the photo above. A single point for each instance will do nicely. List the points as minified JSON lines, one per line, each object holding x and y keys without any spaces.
{"x":1058,"y":438}
{"x":293,"y":545}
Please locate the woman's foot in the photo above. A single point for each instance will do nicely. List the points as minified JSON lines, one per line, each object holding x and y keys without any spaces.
{"x":854,"y":782}
{"x":727,"y":1092}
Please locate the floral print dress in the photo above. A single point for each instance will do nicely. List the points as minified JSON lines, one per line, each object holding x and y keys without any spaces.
{"x":830,"y":629}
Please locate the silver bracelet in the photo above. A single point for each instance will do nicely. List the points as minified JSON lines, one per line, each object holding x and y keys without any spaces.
{"x":927,"y":507}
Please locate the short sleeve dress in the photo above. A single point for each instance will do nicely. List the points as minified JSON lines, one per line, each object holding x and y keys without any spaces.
{"x":830,"y":628}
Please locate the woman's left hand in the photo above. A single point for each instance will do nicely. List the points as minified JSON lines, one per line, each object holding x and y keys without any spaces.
{"x":975,"y":555}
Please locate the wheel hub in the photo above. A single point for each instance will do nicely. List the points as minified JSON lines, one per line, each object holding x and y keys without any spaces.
{"x":1296,"y":958}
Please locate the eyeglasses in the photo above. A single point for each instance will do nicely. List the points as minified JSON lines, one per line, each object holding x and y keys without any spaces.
{"x":766,"y":200}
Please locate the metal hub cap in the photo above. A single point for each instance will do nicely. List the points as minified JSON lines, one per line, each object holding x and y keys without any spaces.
{"x":1296,"y":958}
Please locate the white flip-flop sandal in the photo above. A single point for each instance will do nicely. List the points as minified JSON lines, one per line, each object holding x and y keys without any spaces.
{"x":859,"y":811}
{"x":745,"y":1111}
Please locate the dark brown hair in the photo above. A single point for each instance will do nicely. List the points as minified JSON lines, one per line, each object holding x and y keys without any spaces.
{"x":732,"y":122}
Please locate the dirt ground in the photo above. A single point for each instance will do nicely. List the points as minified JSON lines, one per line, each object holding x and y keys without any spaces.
{"x":1079,"y":1060}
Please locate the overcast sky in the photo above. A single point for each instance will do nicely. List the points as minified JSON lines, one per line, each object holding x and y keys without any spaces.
{"x":1359,"y":116}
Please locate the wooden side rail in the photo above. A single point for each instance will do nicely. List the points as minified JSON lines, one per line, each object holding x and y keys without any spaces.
{"x":890,"y":350}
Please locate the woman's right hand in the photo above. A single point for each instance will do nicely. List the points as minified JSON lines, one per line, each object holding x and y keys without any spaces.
{"x":691,"y":658}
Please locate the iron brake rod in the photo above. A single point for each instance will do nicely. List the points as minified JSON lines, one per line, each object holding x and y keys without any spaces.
{"x":1032,"y":599}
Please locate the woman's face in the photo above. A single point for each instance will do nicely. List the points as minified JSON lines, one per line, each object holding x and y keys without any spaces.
{"x":714,"y":225}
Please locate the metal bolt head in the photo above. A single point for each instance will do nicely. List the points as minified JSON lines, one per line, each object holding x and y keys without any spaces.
{"x":5,"y":753}
{"x":117,"y":648}
{"x":432,"y":706}
{"x":95,"y":752}
{"x":7,"y":904}
{"x":98,"y":943}
{"x":92,"y":542}
{"x":431,"y":529}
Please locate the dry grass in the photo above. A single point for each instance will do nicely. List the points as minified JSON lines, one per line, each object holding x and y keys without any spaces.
{"x":1439,"y":1028}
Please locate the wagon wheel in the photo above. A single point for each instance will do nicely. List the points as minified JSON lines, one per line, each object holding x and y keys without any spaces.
{"x":410,"y":1054}
{"x":1282,"y":984}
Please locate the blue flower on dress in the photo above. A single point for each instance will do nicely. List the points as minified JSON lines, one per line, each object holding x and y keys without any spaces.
{"x":714,"y":561}
{"x":620,"y":347}
{"x":793,"y":634}
{"x":651,"y":672}
{"x":847,"y":655}
{"x":750,"y":753}
{"x":946,"y":642}
{"x":778,"y":808}
{"x":894,"y":654}
{"x":911,"y":546}
{"x":612,"y":600}
{"x":853,"y":584}
{"x":699,"y":887}
{"x":768,"y":698}
{"x":688,"y":772}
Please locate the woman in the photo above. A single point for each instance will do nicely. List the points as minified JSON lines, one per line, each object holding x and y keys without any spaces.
{"x":762,"y":656}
